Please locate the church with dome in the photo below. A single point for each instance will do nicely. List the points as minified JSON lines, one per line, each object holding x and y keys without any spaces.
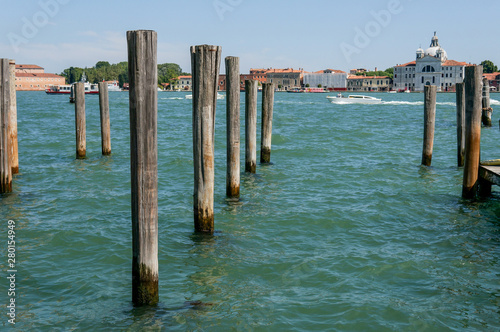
{"x":431,"y":67}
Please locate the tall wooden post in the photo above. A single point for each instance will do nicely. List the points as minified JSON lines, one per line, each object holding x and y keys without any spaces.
{"x":5,"y":167}
{"x":205,"y":65}
{"x":81,"y":138}
{"x":72,"y":94}
{"x":460,"y":95}
{"x":14,"y":155}
{"x":142,"y":71}
{"x":429,"y":123}
{"x":487,"y":110}
{"x":267,"y":122}
{"x":105,"y":123}
{"x":251,"y":125}
{"x":473,"y":106}
{"x":233,"y":126}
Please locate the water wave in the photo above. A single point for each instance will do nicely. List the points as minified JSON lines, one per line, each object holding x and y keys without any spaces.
{"x":494,"y":102}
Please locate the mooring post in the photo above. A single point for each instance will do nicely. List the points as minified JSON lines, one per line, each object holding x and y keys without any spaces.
{"x":14,"y":155}
{"x":80,"y":129}
{"x":473,"y":107}
{"x":487,"y":110}
{"x":233,"y":126}
{"x":5,"y":167}
{"x":251,"y":125}
{"x":72,"y":94}
{"x":267,"y":122}
{"x":429,"y":123}
{"x":205,"y":65}
{"x":460,"y":97}
{"x":142,"y":71}
{"x":105,"y":123}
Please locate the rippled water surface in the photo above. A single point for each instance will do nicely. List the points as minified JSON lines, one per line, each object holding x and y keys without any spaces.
{"x":344,"y":231}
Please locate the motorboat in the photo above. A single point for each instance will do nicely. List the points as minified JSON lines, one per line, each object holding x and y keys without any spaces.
{"x":353,"y":99}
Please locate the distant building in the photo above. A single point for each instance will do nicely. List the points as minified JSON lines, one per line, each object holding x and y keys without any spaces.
{"x":259,"y":74}
{"x":493,"y":80}
{"x":183,"y":83}
{"x":357,"y":71}
{"x":368,"y":83}
{"x":328,"y":79}
{"x":285,"y":79}
{"x":431,"y":67}
{"x":34,"y":78}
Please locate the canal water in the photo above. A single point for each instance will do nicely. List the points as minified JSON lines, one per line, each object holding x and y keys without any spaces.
{"x":344,"y":231}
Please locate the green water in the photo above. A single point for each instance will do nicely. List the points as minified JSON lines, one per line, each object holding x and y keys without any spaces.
{"x":345,"y":231}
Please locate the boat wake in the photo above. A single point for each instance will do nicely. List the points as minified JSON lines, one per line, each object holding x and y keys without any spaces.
{"x":418,"y":103}
{"x":172,"y":98}
{"x":494,"y":102}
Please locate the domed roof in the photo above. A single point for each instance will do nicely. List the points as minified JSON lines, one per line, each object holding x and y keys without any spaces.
{"x":435,"y":50}
{"x":420,"y":50}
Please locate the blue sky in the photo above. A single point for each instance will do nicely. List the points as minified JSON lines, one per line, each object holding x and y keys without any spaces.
{"x":313,"y":34}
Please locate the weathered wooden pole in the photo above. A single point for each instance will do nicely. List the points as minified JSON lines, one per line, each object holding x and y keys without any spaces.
{"x":487,"y":110}
{"x":250,"y":126}
{"x":80,"y":129}
{"x":105,"y":123}
{"x":5,"y":167}
{"x":267,"y":122}
{"x":14,"y":154}
{"x":233,"y":126}
{"x":473,"y":107}
{"x":142,"y":71}
{"x":72,"y":94}
{"x":205,"y":65}
{"x":429,"y":123}
{"x":460,"y":95}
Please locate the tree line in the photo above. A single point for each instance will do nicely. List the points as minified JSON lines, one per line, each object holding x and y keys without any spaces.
{"x":104,"y":71}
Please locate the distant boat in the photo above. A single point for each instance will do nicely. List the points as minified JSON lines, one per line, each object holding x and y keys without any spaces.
{"x":306,"y":90}
{"x":219,"y":96}
{"x":392,"y":91}
{"x":66,"y":89}
{"x":113,"y":86}
{"x":354,"y":99}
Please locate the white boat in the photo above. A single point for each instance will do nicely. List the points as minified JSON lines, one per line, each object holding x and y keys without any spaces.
{"x":219,"y":96}
{"x":354,"y":99}
{"x":113,"y":86}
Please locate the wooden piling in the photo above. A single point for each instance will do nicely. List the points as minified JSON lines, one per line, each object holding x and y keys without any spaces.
{"x":429,"y":123}
{"x":14,"y":155}
{"x":105,"y":123}
{"x":267,"y":122}
{"x":5,"y":167}
{"x":80,"y":126}
{"x":142,"y":71}
{"x":460,"y":97}
{"x":251,"y":125}
{"x":473,"y":107}
{"x":205,"y":65}
{"x":72,"y":94}
{"x":487,"y":110}
{"x":233,"y":126}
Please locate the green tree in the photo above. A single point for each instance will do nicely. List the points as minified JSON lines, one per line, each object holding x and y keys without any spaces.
{"x":489,"y":67}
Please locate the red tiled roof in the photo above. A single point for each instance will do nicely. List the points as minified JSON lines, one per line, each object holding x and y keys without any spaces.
{"x":491,"y":76}
{"x":42,"y":75}
{"x":411,"y":63}
{"x":28,"y":67}
{"x":454,"y":63}
{"x":360,"y":77}
{"x":184,"y":76}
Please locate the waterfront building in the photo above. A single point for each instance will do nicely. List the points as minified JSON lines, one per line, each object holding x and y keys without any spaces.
{"x":493,"y":80}
{"x":431,"y":67}
{"x":34,"y":78}
{"x":328,"y":79}
{"x":183,"y":82}
{"x":285,"y":79}
{"x":368,"y":83}
{"x":259,"y":74}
